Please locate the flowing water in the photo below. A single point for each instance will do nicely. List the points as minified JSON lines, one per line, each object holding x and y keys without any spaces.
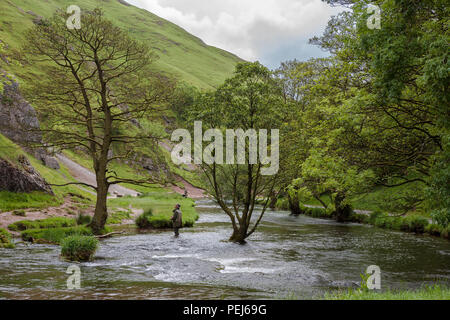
{"x":287,"y":257}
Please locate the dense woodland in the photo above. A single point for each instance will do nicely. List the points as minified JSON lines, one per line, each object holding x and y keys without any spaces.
{"x":374,"y":115}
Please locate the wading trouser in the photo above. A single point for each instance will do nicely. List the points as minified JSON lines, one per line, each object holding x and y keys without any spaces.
{"x":175,"y":229}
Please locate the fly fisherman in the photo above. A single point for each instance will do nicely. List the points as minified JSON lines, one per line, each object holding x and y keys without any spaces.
{"x":177,"y":219}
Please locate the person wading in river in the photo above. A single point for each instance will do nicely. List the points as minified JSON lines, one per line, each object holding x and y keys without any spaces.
{"x":177,"y":219}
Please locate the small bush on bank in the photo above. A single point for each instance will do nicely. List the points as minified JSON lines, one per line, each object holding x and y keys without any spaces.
{"x":79,"y":248}
{"x":83,"y":219}
{"x":359,"y":218}
{"x":143,"y":220}
{"x":437,"y":230}
{"x":316,"y":212}
{"x":55,"y":222}
{"x":160,"y":222}
{"x":6,"y":239}
{"x":416,"y":224}
{"x":282,"y":203}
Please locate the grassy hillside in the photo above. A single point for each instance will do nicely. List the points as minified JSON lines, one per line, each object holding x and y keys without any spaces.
{"x":180,"y":54}
{"x":11,"y":201}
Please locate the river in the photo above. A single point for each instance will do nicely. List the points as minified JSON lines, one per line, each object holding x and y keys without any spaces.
{"x":288,"y":256}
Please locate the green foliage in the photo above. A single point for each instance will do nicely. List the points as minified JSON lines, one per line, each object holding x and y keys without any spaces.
{"x":375,"y":113}
{"x":282,"y":203}
{"x":55,"y":222}
{"x":12,"y":201}
{"x":438,"y":230}
{"x":79,"y":248}
{"x":117,"y":217}
{"x":316,"y":212}
{"x":83,"y":219}
{"x":54,"y":235}
{"x":143,"y":220}
{"x":412,"y":223}
{"x":6,"y":239}
{"x":438,"y":191}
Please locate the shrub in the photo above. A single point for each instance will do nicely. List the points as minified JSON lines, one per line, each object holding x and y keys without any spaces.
{"x":360,"y":218}
{"x":53,"y":235}
{"x":83,"y":219}
{"x":442,"y":217}
{"x":416,"y":224}
{"x":160,"y":222}
{"x":143,"y":220}
{"x":373,"y":217}
{"x":434,"y":229}
{"x":6,"y":239}
{"x":20,"y":213}
{"x":56,"y":222}
{"x":315,"y":212}
{"x":79,"y":248}
{"x":437,"y":230}
{"x":282,"y":203}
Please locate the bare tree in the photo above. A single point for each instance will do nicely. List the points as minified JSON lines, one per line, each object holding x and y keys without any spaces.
{"x":96,"y":81}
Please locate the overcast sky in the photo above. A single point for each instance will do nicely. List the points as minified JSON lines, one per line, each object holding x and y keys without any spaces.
{"x":270,"y":31}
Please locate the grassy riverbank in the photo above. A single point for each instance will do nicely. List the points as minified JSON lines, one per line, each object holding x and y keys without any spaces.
{"x":53,"y":230}
{"x":161,"y":205}
{"x":415,"y":223}
{"x":433,"y":292}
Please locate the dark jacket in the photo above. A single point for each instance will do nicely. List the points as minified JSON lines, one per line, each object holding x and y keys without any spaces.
{"x":177,"y":218}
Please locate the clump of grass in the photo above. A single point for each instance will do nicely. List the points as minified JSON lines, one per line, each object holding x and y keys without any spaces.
{"x":117,"y":217}
{"x":55,"y":222}
{"x":79,"y":248}
{"x":6,"y":239}
{"x":20,"y":213}
{"x":433,"y":292}
{"x":83,"y":219}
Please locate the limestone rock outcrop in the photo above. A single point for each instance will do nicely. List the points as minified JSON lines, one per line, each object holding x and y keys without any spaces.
{"x":21,"y":177}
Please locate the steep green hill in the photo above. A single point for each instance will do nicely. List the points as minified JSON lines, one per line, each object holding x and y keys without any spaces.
{"x":180,"y":53}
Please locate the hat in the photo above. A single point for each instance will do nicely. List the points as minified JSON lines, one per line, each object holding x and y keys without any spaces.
{"x":177,"y":205}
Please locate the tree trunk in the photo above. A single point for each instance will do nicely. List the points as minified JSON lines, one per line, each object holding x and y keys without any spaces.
{"x":101,"y":212}
{"x":294,"y":204}
{"x":342,"y":211}
{"x":239,"y":234}
{"x":273,"y":200}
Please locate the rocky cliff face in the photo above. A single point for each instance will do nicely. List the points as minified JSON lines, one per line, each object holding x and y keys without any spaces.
{"x":22,"y":177}
{"x":19,"y":122}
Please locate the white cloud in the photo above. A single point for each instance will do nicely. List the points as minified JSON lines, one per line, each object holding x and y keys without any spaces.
{"x":270,"y":31}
